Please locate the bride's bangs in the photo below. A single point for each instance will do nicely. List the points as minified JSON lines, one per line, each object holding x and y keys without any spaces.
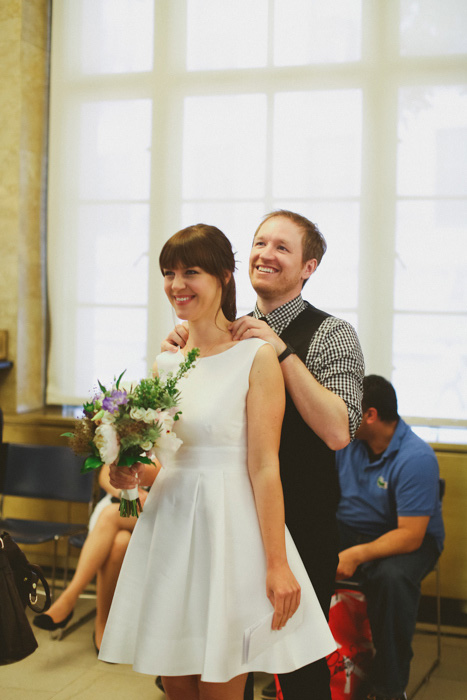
{"x":176,"y":254}
{"x":188,"y":248}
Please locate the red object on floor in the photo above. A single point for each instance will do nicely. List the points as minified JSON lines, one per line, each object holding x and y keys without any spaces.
{"x":349,"y":624}
{"x":279,"y":695}
{"x":350,"y":663}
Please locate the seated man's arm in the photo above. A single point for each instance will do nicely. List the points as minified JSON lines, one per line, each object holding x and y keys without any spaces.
{"x":407,"y":537}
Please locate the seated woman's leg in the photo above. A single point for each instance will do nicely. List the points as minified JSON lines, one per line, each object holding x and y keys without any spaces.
{"x":94,"y":553}
{"x":107,"y":577}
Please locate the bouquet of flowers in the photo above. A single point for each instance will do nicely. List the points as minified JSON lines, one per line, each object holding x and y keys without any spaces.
{"x":130,"y":425}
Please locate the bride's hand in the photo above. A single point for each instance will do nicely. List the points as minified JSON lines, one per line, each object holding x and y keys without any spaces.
{"x":283,"y":591}
{"x":125,"y":477}
{"x":249,"y":327}
{"x":176,"y":339}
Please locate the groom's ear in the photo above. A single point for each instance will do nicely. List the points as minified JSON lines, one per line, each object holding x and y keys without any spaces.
{"x":308,"y":268}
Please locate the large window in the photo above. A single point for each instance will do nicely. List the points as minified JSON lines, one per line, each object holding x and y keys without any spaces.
{"x":165,"y":113}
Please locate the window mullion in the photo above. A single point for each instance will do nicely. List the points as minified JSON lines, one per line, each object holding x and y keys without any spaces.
{"x":378,"y":193}
{"x":166,"y":163}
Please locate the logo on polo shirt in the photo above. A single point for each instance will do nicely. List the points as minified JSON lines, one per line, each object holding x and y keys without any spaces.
{"x":381,"y":483}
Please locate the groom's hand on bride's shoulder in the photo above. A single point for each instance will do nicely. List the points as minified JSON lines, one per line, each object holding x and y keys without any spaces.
{"x":176,"y":338}
{"x":250,"y":327}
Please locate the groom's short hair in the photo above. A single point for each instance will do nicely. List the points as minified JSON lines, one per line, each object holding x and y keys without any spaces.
{"x":313,"y":242}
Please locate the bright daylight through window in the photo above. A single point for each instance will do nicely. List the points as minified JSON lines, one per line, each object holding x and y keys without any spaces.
{"x":353,"y":113}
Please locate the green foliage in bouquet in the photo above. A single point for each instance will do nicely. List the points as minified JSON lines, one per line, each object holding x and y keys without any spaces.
{"x":119,"y":425}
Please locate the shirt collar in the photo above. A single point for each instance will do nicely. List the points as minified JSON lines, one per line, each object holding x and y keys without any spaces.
{"x":392,"y":448}
{"x":399,"y":435}
{"x":281,"y":317}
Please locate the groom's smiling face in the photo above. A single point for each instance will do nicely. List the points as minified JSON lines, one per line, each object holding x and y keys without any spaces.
{"x":277,"y":270}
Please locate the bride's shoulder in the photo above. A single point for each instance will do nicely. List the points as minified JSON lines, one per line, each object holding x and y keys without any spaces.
{"x":265,"y":369}
{"x":261,"y":351}
{"x":255,"y":344}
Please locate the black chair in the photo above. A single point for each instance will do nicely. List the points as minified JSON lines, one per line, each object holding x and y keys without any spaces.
{"x":43,"y":472}
{"x":78,"y":541}
{"x":349,"y":584}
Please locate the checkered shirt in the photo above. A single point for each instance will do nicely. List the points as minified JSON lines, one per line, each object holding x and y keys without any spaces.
{"x":334,"y":357}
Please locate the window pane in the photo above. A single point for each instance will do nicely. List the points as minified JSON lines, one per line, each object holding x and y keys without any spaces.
{"x":450,"y":436}
{"x":433,"y":27}
{"x":116,"y":35}
{"x":238,"y":221}
{"x":224,"y":35}
{"x":432,"y":153}
{"x":334,"y":285}
{"x":317,"y":144}
{"x":430,"y":365}
{"x":224,"y":147}
{"x":349,"y":316}
{"x":109,"y":341}
{"x":316,"y":32}
{"x":112,"y":257}
{"x":431,"y":256}
{"x":115,"y":150}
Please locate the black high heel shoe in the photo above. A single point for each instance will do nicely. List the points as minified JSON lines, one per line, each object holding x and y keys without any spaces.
{"x":45,"y":622}
{"x":96,"y":648}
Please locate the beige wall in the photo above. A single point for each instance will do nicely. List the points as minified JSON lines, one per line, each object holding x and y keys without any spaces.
{"x":24,"y":61}
{"x":453,"y":563}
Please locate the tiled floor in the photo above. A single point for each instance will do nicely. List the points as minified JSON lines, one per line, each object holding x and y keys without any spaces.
{"x":68,"y":669}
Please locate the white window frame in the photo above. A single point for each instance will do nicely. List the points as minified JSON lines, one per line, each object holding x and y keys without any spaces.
{"x":380,"y":73}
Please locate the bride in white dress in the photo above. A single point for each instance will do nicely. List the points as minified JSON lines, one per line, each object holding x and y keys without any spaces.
{"x":212,"y":586}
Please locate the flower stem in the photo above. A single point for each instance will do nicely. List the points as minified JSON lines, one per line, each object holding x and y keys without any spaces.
{"x":130,"y":508}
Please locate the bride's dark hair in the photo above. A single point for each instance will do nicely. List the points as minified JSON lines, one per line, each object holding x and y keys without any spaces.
{"x":207,"y":247}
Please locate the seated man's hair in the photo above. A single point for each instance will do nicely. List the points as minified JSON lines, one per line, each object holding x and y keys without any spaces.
{"x":380,"y":394}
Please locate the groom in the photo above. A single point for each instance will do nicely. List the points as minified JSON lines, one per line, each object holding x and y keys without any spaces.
{"x":323,"y":369}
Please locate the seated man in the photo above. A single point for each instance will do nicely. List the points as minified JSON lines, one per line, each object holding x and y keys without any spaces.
{"x":391,"y":529}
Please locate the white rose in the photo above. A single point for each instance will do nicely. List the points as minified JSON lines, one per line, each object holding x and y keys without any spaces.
{"x":166,"y":420}
{"x":108,"y":418}
{"x":106,"y":441}
{"x":146,"y":446}
{"x":137,"y":413}
{"x":150,"y":415}
{"x":165,"y":448}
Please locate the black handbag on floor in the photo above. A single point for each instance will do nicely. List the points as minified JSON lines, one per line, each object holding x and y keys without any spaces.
{"x":18,"y":588}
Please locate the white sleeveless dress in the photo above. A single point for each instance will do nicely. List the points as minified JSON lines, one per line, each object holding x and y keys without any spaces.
{"x":193,"y":579}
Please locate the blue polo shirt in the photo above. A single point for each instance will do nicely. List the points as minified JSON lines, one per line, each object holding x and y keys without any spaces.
{"x":403,"y":481}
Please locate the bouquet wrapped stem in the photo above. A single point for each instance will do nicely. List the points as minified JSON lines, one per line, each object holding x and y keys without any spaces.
{"x":126,"y":426}
{"x":130,"y":503}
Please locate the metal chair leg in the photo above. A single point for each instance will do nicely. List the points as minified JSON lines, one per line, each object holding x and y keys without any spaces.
{"x":54,"y":567}
{"x":437,"y":660}
{"x":67,"y":561}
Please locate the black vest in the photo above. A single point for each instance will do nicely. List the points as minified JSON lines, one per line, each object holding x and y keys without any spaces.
{"x":308,"y":472}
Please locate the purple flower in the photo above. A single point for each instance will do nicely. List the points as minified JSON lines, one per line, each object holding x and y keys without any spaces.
{"x":113,"y":402}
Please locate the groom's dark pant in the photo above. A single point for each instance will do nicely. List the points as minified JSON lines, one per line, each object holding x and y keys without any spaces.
{"x":312,"y":682}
